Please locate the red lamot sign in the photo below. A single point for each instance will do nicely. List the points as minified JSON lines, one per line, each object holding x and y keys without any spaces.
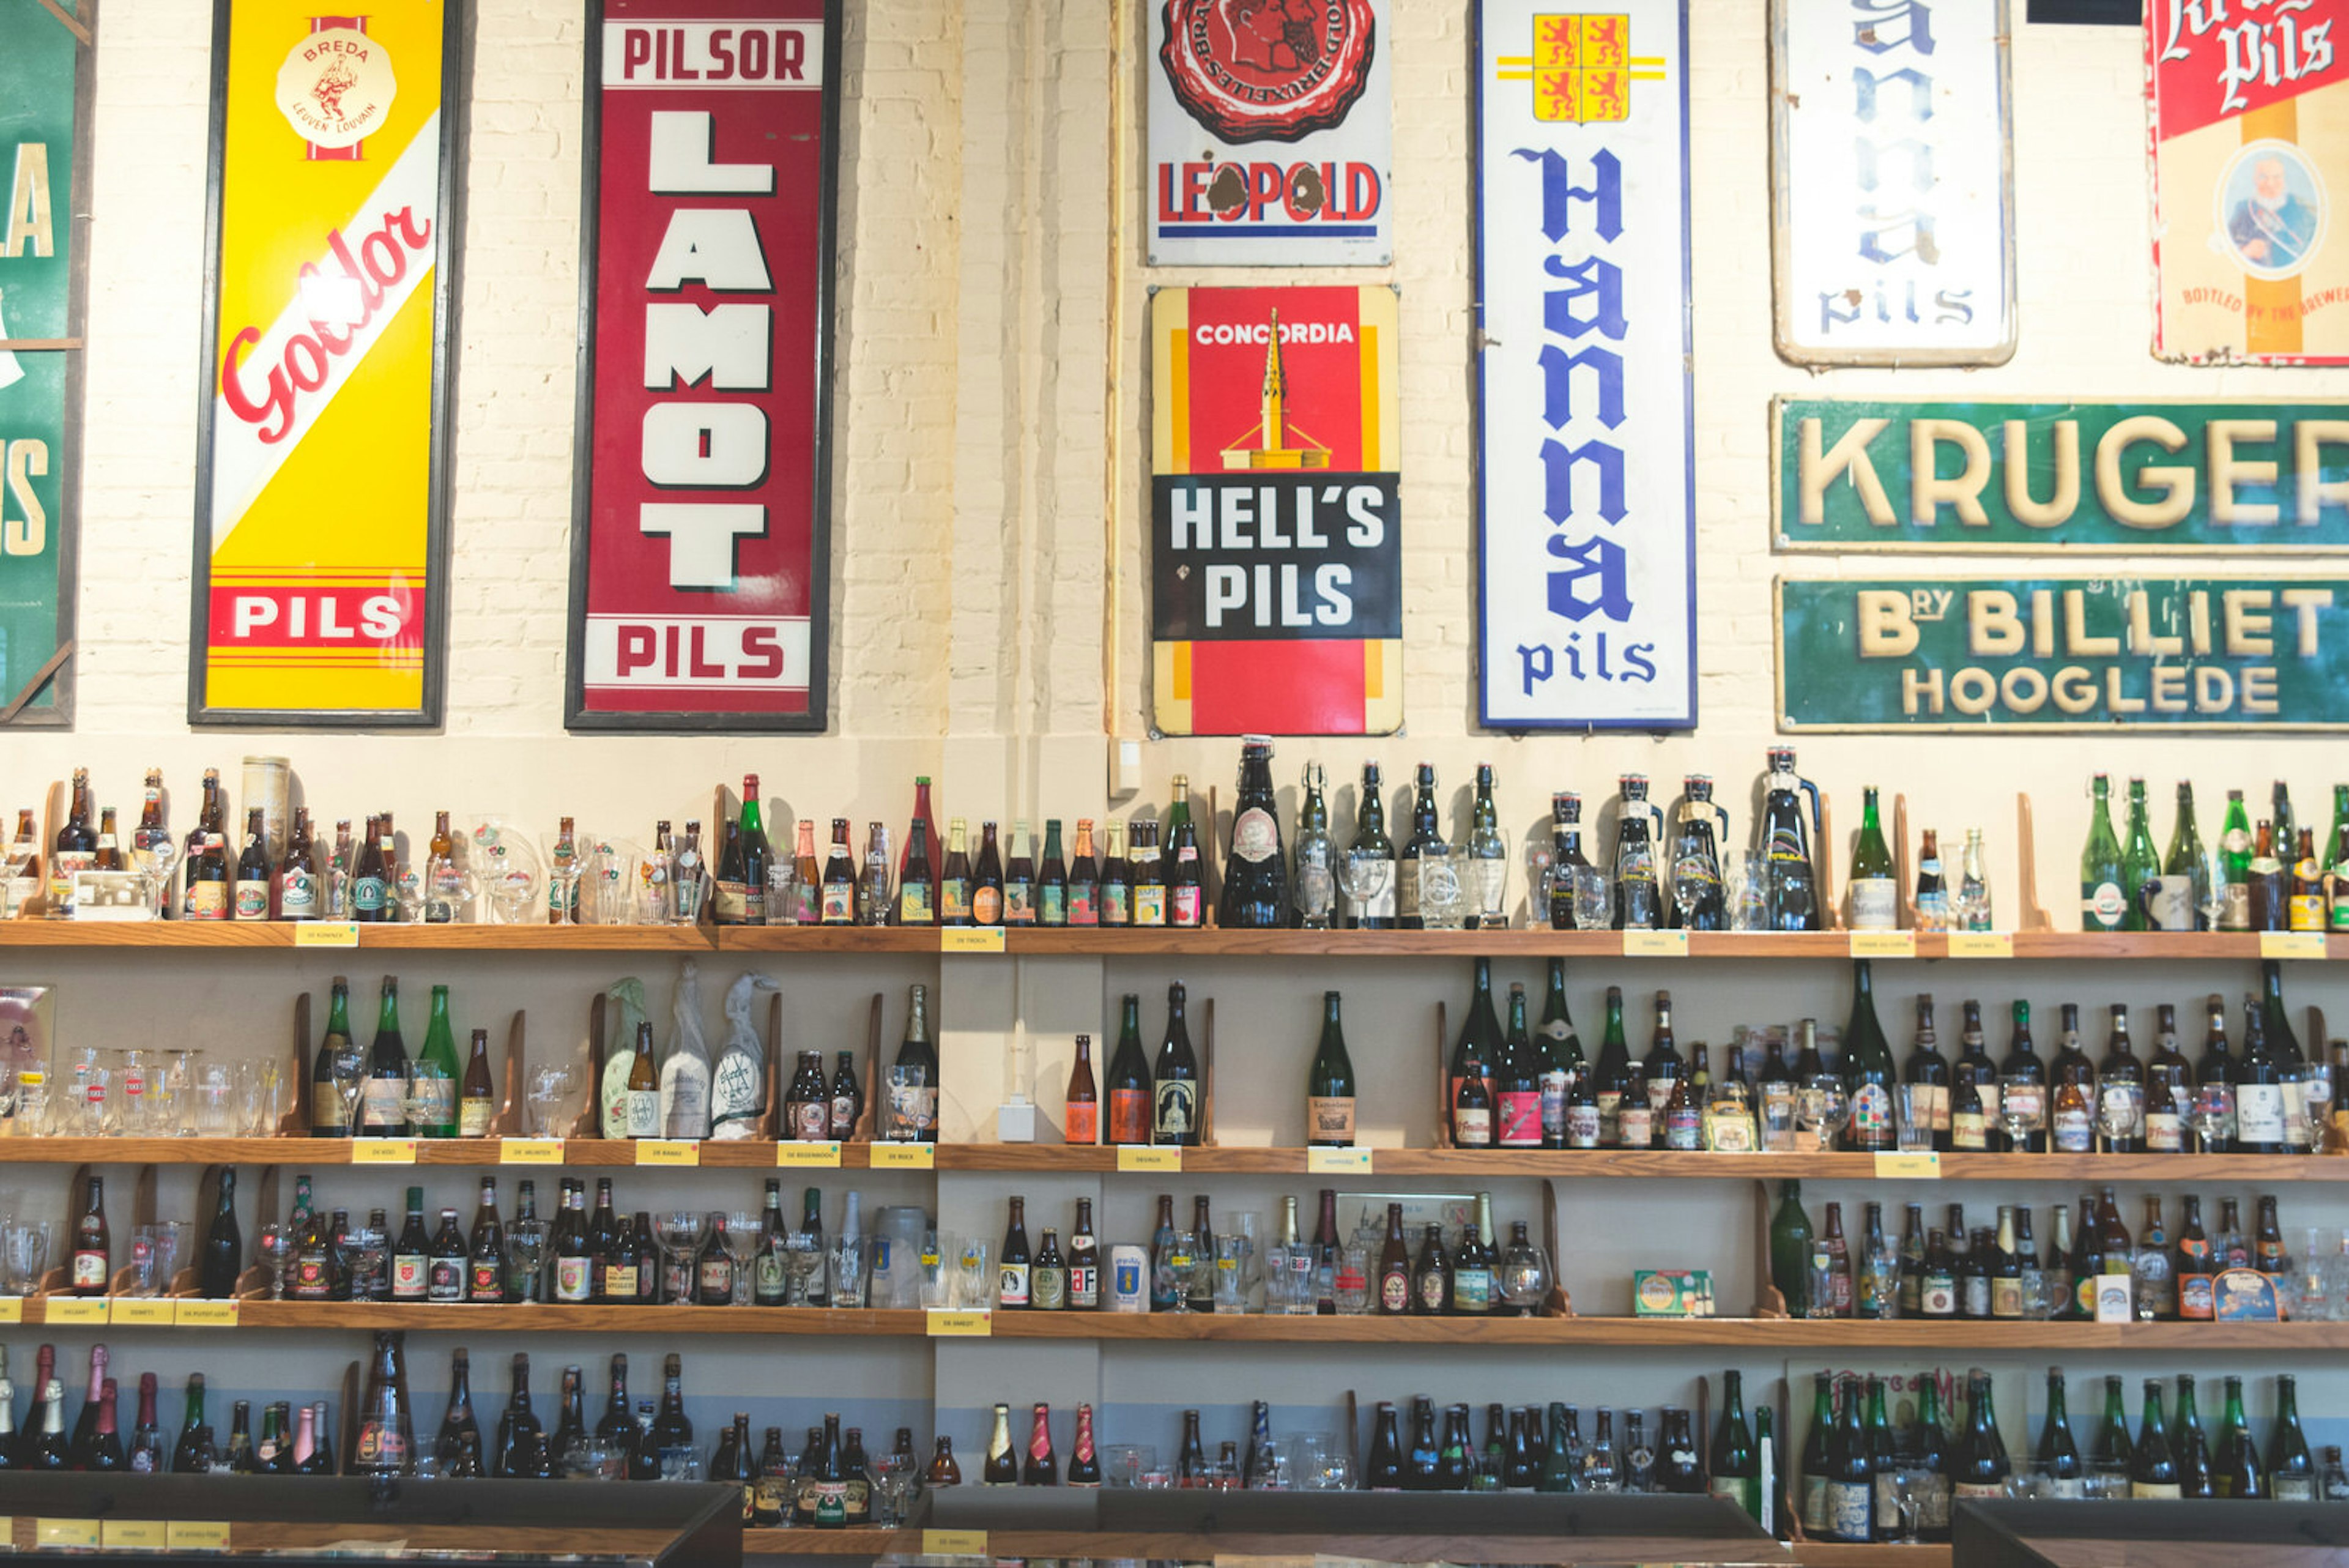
{"x":698,"y":530}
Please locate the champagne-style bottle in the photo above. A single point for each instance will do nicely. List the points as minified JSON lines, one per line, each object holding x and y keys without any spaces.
{"x":1175,"y":1080}
{"x":1329,"y":1085}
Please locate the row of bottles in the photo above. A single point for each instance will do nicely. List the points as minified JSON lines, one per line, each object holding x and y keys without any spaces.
{"x":2276,"y":876}
{"x":1985,"y":1273}
{"x":1530,"y":1085}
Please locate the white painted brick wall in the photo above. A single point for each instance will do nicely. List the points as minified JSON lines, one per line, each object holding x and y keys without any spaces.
{"x":974,"y":418}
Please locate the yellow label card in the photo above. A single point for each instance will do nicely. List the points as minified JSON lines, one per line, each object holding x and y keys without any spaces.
{"x":971,"y":939}
{"x":205,"y":1314}
{"x":327,"y":934}
{"x":133,"y":1311}
{"x":1338,"y":1161}
{"x":1655,"y":944}
{"x":960,"y":1324}
{"x":804,"y":1155}
{"x":1136,"y":1157}
{"x":2291,"y":944}
{"x":75,"y":1309}
{"x":1981,"y":944}
{"x":1884,"y":944}
{"x":529,"y":1151}
{"x":1912,"y":1164}
{"x":667,"y":1151}
{"x":383,"y":1151}
{"x":904,"y":1157}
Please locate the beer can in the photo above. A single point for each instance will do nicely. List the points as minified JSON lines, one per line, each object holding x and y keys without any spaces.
{"x":1129,"y":1279}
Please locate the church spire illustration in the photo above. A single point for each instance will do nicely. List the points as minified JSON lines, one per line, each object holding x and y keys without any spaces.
{"x":1273,"y":433}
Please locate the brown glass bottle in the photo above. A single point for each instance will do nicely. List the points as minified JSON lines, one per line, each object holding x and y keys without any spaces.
{"x":987,"y":880}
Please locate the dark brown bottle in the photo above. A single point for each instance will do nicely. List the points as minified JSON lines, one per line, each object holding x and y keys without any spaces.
{"x":1394,"y":1278}
{"x":987,"y":880}
{"x":1012,"y":1291}
{"x":1080,"y":1107}
{"x":943,"y":1470}
{"x":93,"y":1248}
{"x":387,"y":1440}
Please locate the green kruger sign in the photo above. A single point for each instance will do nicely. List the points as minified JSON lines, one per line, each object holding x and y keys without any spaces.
{"x":44,"y":93}
{"x":2064,"y":653}
{"x":1901,"y":474}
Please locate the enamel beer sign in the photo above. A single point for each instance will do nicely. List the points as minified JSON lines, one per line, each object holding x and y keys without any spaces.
{"x":2247,"y":105}
{"x":1587,"y":505}
{"x":1276,"y":552}
{"x":321,"y":564}
{"x":46,"y":81}
{"x":701,"y":504}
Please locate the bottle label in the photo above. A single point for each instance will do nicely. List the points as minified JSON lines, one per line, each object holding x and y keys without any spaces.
{"x":2167,"y":1490}
{"x":1520,"y":1124}
{"x":914,"y":904}
{"x":2075,"y":1131}
{"x":1011,"y":1287}
{"x":1051,"y":904}
{"x":1848,"y":1513}
{"x":1394,"y":1291}
{"x":209,"y":900}
{"x":1018,"y":903}
{"x":914,"y":1109}
{"x":574,"y":1279}
{"x":1175,"y":1110}
{"x":1937,"y":1297}
{"x":1185,"y":911}
{"x":1431,"y":1289}
{"x":253,"y":899}
{"x":410,"y":1277}
{"x":1634,"y":1126}
{"x":1932,"y":1102}
{"x":2121,"y":1109}
{"x":1553,"y":1106}
{"x":2305,"y":911}
{"x":1116,"y":904}
{"x":1872,"y":1114}
{"x":1660,"y":1095}
{"x":1472,"y":1128}
{"x":445,"y":1280}
{"x":1149,"y":904}
{"x":1084,"y":1285}
{"x":1255,"y":839}
{"x":2295,"y":1116}
{"x":2258,"y":1113}
{"x":438,"y":1097}
{"x":1083,"y":910}
{"x":366,"y":895}
{"x":2285,"y":1488}
{"x":839,"y":905}
{"x":987,"y":906}
{"x":954,"y":899}
{"x":1964,"y":1490}
{"x":2006,"y":1296}
{"x":811,"y":1120}
{"x":485,"y":1281}
{"x":1407,"y":887}
{"x":89,"y":1271}
{"x":843,"y":1115}
{"x":1080,"y":1122}
{"x":2102,"y":908}
{"x":1744,"y":1492}
{"x":1049,"y":1288}
{"x":2165,"y":1131}
{"x":1582,"y":1127}
{"x":2197,"y":1295}
{"x":326,"y":1104}
{"x":383,"y":1103}
{"x":644,"y":1113}
{"x":1969,"y":1130}
{"x":1329,"y":1119}
{"x":1129,"y":1115}
{"x":730,"y":902}
{"x":715,"y":1278}
{"x":1815,"y":1506}
{"x":1684,"y":1129}
{"x":1875,"y":904}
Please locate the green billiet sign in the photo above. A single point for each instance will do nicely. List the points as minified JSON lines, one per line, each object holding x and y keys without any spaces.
{"x":1958,"y":653}
{"x":2138,"y":476}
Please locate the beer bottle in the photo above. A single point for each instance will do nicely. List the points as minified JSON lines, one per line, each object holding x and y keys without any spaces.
{"x":1735,"y":1466}
{"x":1973,"y":1088}
{"x":446,"y":1269}
{"x":371,"y":894}
{"x":2006,"y":1268}
{"x":249,"y":896}
{"x":2169,"y":1085}
{"x":301,"y":892}
{"x":1790,"y":1250}
{"x":2235,"y":863}
{"x":224,"y":1256}
{"x":914,"y":1078}
{"x":2140,"y":874}
{"x":1085,"y":1261}
{"x":836,"y":900}
{"x":209,"y":897}
{"x":240,"y":1439}
{"x":1929,"y":1445}
{"x":2155,"y":1287}
{"x":1002,"y":1467}
{"x":1330,"y":1086}
{"x":1013,"y":1289}
{"x":1052,"y":895}
{"x":2059,"y":1455}
{"x":1048,"y":1279}
{"x":2306,"y":909}
{"x":1043,"y":1466}
{"x":1432,"y":1276}
{"x":1517,"y":1083}
{"x":386,"y":1439}
{"x":2104,"y":905}
{"x":1560,"y":1057}
{"x":2153,"y":1471}
{"x":1174,"y":1088}
{"x":2022,"y":1062}
{"x":193,"y":1454}
{"x":1383,"y":1471}
{"x":477,"y":1105}
{"x":1426,"y":834}
{"x":2236,"y":1470}
{"x":2269,"y":879}
{"x":1812,"y":1478}
{"x":383,"y":1109}
{"x":1639,"y":897}
{"x":1116,"y":878}
{"x":1912,"y":1262}
{"x":1929,"y":1076}
{"x":2267,"y":1254}
{"x":435,"y":1074}
{"x":955,"y":879}
{"x":1480,"y":1042}
{"x":2260,"y":1123}
{"x":856,"y":1480}
{"x":1395,"y":1283}
{"x":917,"y":885}
{"x":1850,"y":1486}
{"x":1019,"y":877}
{"x":1370,"y":879}
{"x":1659,"y":1071}
{"x":103,"y":1452}
{"x":2196,"y":1476}
{"x":1084,"y":878}
{"x":411,"y":1253}
{"x":1869,"y":1070}
{"x":1472,"y":1266}
{"x":1838,"y":1254}
{"x":2194,"y":1268}
{"x":1165,"y":1291}
{"x":2291,"y":1472}
{"x":1472,"y":1114}
{"x":1874,"y":891}
{"x":485,"y":1282}
{"x":50,"y":1451}
{"x":93,"y":1248}
{"x":1081,"y":1104}
{"x":1613,"y":1075}
{"x":1186,"y":875}
{"x":2215,"y":1066}
{"x":1149,"y":873}
{"x":847,"y":1110}
{"x":2113,"y":1448}
{"x":1566,"y":857}
{"x":1932,"y":901}
{"x":1255,"y":871}
{"x":1981,"y":1470}
{"x":807,"y":1100}
{"x":1454,"y":1462}
{"x":1486,"y":878}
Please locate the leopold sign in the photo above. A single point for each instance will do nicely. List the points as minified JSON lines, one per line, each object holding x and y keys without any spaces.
{"x":2065,"y":653}
{"x":698,"y":526}
{"x":1882,"y":474}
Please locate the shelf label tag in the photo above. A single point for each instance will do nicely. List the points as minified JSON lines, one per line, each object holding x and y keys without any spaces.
{"x":667,"y":1151}
{"x":1136,"y":1157}
{"x":2291,"y":944}
{"x":953,"y":1543}
{"x":12,"y":1309}
{"x":123,"y":1311}
{"x":946,"y":1325}
{"x":206,"y":1315}
{"x":1338,"y":1161}
{"x":529,"y":1151}
{"x":196,"y":1535}
{"x":122,"y":1534}
{"x":383,"y":1151}
{"x":904,"y":1157}
{"x":327,"y":934}
{"x":971,"y":939}
{"x":1910,"y":1164}
{"x":826,"y":1155}
{"x":65,"y":1531}
{"x":1884,"y":944}
{"x":71,"y":1309}
{"x":1655,"y":944}
{"x":1981,"y":944}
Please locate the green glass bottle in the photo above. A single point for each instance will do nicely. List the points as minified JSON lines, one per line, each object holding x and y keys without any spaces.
{"x":1557,"y":1461}
{"x":2140,"y":869}
{"x":1869,"y":1070}
{"x":2114,"y":1449}
{"x":436,"y":1073}
{"x":1929,"y":1445}
{"x":2195,"y":1476}
{"x":2235,"y":1469}
{"x":1851,"y":1479}
{"x":1790,"y":1250}
{"x":2186,"y":860}
{"x":1882,"y":1464}
{"x":2291,"y":1469}
{"x":1485,"y":877}
{"x":1330,"y":1089}
{"x":1736,"y":1466}
{"x":383,"y":1097}
{"x":1561,"y":1057}
{"x":2333,"y":853}
{"x":2287,"y":826}
{"x":2059,"y":1455}
{"x":1981,"y":1470}
{"x":1765,"y":1459}
{"x":1812,"y":1503}
{"x":1875,"y":891}
{"x":2104,"y":905}
{"x":2235,"y":865}
{"x":2153,"y":1472}
{"x":1612,"y":1073}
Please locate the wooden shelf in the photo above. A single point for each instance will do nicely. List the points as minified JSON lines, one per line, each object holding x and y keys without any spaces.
{"x":1843,"y":1334}
{"x":1099,"y":1544}
{"x":1114,"y":943}
{"x":1008,"y":1158}
{"x":802,"y":1542}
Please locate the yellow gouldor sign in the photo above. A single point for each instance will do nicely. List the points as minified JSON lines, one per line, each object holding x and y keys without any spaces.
{"x":320,"y":553}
